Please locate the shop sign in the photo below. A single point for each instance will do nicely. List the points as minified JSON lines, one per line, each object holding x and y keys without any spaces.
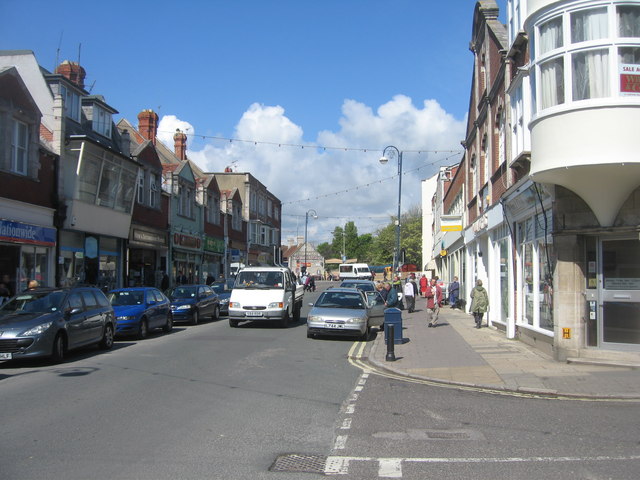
{"x":566,"y":333}
{"x":187,"y":241}
{"x":235,"y":255}
{"x":450,"y":223}
{"x":629,"y":80}
{"x":215,"y":245}
{"x":18,"y":232}
{"x":148,"y":237}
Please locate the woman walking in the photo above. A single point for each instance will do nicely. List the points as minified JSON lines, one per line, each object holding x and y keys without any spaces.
{"x":479,"y":303}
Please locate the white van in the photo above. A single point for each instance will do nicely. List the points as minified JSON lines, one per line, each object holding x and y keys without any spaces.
{"x":358,"y":271}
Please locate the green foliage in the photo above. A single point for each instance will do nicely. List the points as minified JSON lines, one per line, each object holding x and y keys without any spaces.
{"x":377,"y":249}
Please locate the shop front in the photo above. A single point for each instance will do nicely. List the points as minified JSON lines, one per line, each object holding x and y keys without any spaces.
{"x":213,"y":257}
{"x":88,"y":258}
{"x":147,"y":256}
{"x":27,"y":253}
{"x":186,"y":257}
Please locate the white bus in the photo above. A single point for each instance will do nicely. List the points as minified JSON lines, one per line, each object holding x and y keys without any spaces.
{"x":358,"y":271}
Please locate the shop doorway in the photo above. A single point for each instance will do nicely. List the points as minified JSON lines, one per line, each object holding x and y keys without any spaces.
{"x":620,"y":292}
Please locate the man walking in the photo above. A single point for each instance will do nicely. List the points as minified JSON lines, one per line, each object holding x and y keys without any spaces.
{"x":409,"y":295}
{"x":434,"y":299}
{"x":454,"y":292}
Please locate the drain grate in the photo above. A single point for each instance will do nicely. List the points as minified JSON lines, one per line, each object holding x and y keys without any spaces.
{"x":294,"y":462}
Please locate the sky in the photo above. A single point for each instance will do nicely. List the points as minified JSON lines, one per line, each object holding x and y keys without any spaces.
{"x":304,"y":95}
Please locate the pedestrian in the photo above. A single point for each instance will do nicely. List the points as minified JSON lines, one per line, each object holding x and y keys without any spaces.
{"x":409,"y":295}
{"x":423,"y":285}
{"x":4,"y":293}
{"x":454,"y":292}
{"x":434,"y":300}
{"x":164,"y":284}
{"x":479,"y":303}
{"x":391,"y":300}
{"x":210,"y":279}
{"x":181,"y":279}
{"x":32,"y":285}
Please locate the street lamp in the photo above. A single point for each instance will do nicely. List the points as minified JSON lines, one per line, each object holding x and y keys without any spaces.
{"x":314,"y":214}
{"x":394,"y":152}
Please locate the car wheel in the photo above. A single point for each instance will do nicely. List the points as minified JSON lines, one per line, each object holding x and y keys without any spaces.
{"x":59,"y":349}
{"x":195,"y":318}
{"x":107,"y":338}
{"x":367,"y":332}
{"x":143,"y":330}
{"x":169,"y":325}
{"x":216,"y":313}
{"x":311,"y":335}
{"x":233,"y":323}
{"x":285,"y":321}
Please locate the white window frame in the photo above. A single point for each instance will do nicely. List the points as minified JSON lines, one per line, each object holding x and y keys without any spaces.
{"x":141,"y":193}
{"x":71,"y":103}
{"x":153,"y":190}
{"x":19,"y":147}
{"x":101,"y":122}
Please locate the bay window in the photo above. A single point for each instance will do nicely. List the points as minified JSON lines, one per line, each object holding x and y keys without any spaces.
{"x":19,"y":147}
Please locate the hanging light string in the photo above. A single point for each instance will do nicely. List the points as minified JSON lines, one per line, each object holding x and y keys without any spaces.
{"x":301,"y":145}
{"x":370,"y":184}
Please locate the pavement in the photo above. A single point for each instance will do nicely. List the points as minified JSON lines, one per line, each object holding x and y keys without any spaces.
{"x":457,"y":353}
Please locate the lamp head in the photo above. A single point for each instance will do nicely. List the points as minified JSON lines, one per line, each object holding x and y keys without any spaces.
{"x":383,"y":160}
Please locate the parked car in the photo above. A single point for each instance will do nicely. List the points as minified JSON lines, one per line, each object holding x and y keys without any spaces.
{"x":223,"y":290}
{"x":345,"y":311}
{"x":51,"y":321}
{"x":364,"y":285}
{"x":190,"y":303}
{"x":140,"y":310}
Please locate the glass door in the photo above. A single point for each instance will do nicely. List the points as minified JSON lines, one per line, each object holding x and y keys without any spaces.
{"x":620,"y":294}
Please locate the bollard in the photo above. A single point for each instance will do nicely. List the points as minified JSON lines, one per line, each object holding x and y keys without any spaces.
{"x":391,"y":356}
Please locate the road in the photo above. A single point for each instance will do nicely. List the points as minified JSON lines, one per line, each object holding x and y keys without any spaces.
{"x":259,"y":402}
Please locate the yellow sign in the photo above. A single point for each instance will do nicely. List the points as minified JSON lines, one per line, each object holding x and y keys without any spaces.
{"x":450,"y":223}
{"x":566,"y":333}
{"x":443,"y":253}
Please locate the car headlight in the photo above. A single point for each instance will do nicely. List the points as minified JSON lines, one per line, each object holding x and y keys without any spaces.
{"x":355,"y":320}
{"x":39,"y":330}
{"x":276,"y":305}
{"x":314,"y":318}
{"x":184,"y":307}
{"x":126,"y":317}
{"x":224,"y":300}
{"x":234,"y":305}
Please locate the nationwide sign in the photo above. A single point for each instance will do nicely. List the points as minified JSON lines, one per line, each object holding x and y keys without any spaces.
{"x":17,"y":232}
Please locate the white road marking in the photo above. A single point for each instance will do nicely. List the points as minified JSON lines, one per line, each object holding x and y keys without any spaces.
{"x":341,"y":442}
{"x":358,"y":388}
{"x":390,"y":467}
{"x":346,"y":424}
{"x":350,"y":409}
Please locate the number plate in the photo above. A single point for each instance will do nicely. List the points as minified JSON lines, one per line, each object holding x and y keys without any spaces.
{"x":253,"y":314}
{"x":335,"y":325}
{"x":6,"y":356}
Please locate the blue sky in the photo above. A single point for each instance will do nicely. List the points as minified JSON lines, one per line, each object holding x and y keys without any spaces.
{"x":354,"y":74}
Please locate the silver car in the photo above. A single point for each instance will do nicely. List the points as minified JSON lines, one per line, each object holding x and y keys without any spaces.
{"x":47,"y":322}
{"x":345,"y":311}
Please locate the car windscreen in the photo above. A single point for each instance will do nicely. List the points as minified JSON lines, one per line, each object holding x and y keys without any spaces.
{"x":178,"y":293}
{"x":249,"y":279}
{"x":34,"y":302}
{"x":340,"y":300}
{"x":126,"y":298}
{"x":219,"y":287}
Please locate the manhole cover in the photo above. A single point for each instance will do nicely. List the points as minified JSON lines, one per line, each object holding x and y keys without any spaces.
{"x":294,"y":462}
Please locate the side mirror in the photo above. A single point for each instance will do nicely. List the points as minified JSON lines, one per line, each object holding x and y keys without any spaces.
{"x":311,"y":304}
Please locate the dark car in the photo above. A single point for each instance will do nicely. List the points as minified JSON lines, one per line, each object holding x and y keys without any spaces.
{"x":223,"y":290}
{"x":51,"y":321}
{"x":139,"y":310}
{"x":190,"y":303}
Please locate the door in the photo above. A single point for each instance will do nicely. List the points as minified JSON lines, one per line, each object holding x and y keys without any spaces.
{"x":75,"y":320}
{"x":620,"y":292}
{"x":376,"y":308}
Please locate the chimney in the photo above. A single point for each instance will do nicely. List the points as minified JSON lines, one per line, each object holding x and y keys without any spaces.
{"x":148,"y":125}
{"x":180,"y":144}
{"x":73,"y":71}
{"x":125,"y":143}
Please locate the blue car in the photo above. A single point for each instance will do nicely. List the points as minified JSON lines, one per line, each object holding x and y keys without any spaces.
{"x":223,"y":289}
{"x":190,"y":303}
{"x":139,"y":310}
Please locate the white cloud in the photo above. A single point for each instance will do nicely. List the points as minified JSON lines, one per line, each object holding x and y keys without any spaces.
{"x":318,"y":178}
{"x":168,"y":126}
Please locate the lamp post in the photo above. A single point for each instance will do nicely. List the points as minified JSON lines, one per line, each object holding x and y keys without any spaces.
{"x":314,"y":214}
{"x":394,"y":152}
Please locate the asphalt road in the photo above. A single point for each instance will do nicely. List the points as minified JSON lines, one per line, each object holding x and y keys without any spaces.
{"x":259,"y":402}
